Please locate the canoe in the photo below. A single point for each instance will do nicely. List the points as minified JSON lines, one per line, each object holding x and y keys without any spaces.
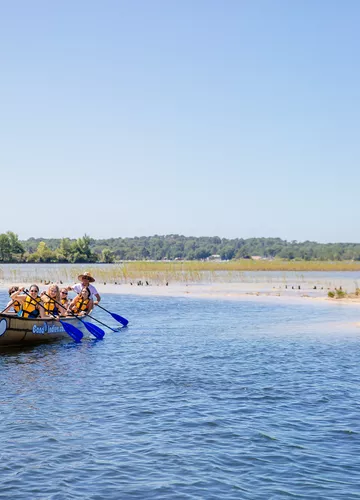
{"x":25,"y":331}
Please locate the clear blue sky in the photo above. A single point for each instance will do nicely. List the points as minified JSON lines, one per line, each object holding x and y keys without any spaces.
{"x":236,"y":118}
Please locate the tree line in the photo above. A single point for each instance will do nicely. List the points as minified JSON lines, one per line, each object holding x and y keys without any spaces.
{"x":171,"y":247}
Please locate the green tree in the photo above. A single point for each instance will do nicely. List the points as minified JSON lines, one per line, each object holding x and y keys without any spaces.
{"x":81,"y":250}
{"x":64,"y":252}
{"x":15,"y":245}
{"x":5,"y":248}
{"x":44,"y":253}
{"x":227,"y":253}
{"x":243,"y":253}
{"x":201,"y":253}
{"x":107,"y":256}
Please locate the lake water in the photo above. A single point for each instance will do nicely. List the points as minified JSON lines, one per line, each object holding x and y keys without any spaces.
{"x":261,"y":280}
{"x":196,"y":399}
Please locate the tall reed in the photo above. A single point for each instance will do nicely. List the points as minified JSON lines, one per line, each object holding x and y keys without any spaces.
{"x":161,"y":272}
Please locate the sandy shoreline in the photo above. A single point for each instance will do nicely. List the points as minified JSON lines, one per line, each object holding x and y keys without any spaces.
{"x":220,"y":291}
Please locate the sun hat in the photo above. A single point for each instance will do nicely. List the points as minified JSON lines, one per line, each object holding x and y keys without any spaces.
{"x":86,"y":275}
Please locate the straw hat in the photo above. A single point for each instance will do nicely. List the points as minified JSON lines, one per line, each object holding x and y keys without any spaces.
{"x":86,"y":275}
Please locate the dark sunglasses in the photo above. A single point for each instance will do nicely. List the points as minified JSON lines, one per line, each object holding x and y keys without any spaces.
{"x":33,"y":291}
{"x":64,"y":293}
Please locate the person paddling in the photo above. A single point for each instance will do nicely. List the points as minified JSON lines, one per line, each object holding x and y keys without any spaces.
{"x":65,"y":302}
{"x":82,"y":303}
{"x":13,"y":306}
{"x":30,"y":307}
{"x":85,"y":280}
{"x":51,"y":300}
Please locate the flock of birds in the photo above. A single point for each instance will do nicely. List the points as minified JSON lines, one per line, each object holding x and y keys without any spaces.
{"x":138,"y":283}
{"x":141,"y":283}
{"x":146,"y":283}
{"x":297,"y":287}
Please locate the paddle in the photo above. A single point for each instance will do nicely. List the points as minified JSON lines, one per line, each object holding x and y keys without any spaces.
{"x":101,"y":323}
{"x":95,"y":330}
{"x":71,"y":330}
{"x":8,"y":307}
{"x":116,"y":317}
{"x":92,"y":317}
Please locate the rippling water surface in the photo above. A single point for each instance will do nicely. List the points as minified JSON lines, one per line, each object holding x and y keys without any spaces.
{"x":195,"y":399}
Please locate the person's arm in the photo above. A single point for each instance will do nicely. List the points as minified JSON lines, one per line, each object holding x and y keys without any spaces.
{"x":40,"y":308}
{"x":90,"y":306}
{"x":16,"y":295}
{"x":95,"y":293}
{"x":71,"y":305}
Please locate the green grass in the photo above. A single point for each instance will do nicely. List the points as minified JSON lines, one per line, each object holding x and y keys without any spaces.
{"x":174,"y":271}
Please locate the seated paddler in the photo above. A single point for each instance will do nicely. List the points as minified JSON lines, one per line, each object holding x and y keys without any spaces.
{"x":13,"y":306}
{"x":82,"y":304}
{"x":65,"y":301}
{"x":31,"y":304}
{"x":52,"y":302}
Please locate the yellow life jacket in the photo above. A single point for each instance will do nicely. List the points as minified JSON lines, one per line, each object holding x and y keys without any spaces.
{"x":81,"y":305}
{"x":64,"y":302}
{"x":29,"y":307}
{"x":16,"y":305}
{"x":50,"y":308}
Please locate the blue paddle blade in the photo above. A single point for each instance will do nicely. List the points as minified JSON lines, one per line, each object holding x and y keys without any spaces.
{"x":117,"y":317}
{"x":71,"y":330}
{"x":95,"y":330}
{"x":120,"y":319}
{"x":119,"y":328}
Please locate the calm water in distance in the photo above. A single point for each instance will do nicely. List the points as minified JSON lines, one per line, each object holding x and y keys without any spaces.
{"x":196,"y":399}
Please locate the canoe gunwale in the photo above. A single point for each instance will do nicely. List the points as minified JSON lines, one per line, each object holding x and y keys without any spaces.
{"x":63,"y":318}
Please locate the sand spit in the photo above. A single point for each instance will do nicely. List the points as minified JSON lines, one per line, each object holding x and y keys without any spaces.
{"x":221,"y":291}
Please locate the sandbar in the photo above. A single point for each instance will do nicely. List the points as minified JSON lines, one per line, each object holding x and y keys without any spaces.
{"x":216,"y":291}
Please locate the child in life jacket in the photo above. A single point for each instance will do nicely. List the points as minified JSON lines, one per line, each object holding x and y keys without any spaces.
{"x":82,"y":304}
{"x":52,"y":304}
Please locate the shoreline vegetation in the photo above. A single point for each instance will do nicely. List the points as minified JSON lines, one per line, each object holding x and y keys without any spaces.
{"x":254,"y":267}
{"x":236,"y":280}
{"x":175,"y":271}
{"x":239,"y":254}
{"x":278,"y":278}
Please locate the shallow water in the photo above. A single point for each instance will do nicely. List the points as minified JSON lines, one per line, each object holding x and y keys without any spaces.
{"x":195,"y":399}
{"x":261,"y":280}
